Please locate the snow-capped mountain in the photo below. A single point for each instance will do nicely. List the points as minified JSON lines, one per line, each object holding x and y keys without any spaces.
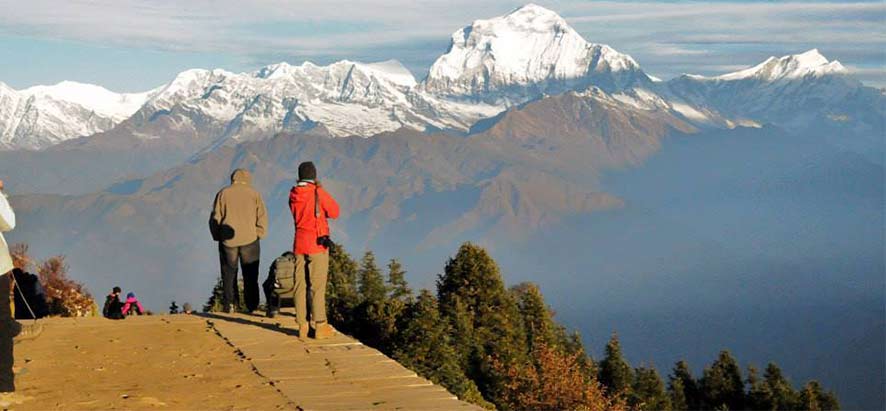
{"x":491,"y":65}
{"x":346,"y":98}
{"x":41,"y":116}
{"x":523,"y":54}
{"x":791,"y":91}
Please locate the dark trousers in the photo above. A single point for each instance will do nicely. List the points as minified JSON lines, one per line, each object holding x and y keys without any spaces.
{"x":248,"y":256}
{"x":8,"y":330}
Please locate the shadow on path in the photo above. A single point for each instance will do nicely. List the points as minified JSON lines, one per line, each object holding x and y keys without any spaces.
{"x":246,"y":321}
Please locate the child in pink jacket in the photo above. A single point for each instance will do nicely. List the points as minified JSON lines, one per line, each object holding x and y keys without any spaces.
{"x":132,"y":305}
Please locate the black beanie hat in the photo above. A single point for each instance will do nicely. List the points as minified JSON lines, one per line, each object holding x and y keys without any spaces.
{"x":307,"y":171}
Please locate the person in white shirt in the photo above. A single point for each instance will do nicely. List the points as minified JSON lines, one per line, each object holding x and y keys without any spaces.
{"x":9,"y":328}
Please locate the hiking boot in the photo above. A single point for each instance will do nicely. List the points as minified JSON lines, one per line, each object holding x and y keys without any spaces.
{"x":271,"y":313}
{"x":8,"y":399}
{"x":323,"y":330}
{"x":303,"y":330}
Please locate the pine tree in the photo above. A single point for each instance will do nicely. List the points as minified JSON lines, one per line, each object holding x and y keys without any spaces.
{"x":537,"y":318}
{"x":342,"y":295}
{"x":371,"y":325}
{"x":677,"y":394}
{"x":473,"y":299}
{"x":813,"y":398}
{"x":615,"y":373}
{"x":759,"y":397}
{"x":681,"y":378}
{"x":214,"y":303}
{"x":398,"y":288}
{"x":648,"y":391}
{"x":781,"y":393}
{"x":423,"y":344}
{"x":722,"y":384}
{"x":372,"y":286}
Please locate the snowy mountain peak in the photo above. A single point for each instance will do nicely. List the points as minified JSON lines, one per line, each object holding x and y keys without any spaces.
{"x":793,"y":66}
{"x":535,"y":17}
{"x":106,"y":103}
{"x":530,"y":47}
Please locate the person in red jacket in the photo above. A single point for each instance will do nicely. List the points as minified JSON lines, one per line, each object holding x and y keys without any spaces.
{"x":311,"y":206}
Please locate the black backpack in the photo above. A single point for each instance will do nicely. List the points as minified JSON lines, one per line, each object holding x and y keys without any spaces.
{"x":30,"y":294}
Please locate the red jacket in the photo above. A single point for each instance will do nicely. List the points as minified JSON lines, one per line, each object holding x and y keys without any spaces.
{"x":307,"y":226}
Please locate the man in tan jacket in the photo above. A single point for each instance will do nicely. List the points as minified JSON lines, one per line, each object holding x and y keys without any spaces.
{"x":239,"y":220}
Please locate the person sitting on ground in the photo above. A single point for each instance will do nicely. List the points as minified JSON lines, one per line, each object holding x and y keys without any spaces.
{"x":113,"y":308}
{"x":311,"y":206}
{"x":132,"y":305}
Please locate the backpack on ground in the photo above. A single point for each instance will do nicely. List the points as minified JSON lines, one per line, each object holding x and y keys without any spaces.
{"x":30,"y":297}
{"x":281,"y":280}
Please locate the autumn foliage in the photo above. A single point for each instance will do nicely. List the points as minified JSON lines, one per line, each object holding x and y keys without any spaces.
{"x":64,"y":296}
{"x":554,"y":380}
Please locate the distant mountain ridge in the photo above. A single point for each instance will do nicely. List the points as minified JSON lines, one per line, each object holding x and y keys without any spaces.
{"x":491,"y":65}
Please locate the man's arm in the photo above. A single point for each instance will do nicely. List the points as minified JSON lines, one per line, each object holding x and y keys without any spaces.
{"x":215,"y":218}
{"x":261,"y":220}
{"x":7,"y":216}
{"x":329,"y":205}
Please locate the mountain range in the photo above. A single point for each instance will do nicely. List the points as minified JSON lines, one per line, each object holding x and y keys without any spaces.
{"x":578,"y":169}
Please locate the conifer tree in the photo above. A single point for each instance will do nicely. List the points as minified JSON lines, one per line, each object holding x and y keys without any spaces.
{"x":813,"y":398}
{"x":615,"y":373}
{"x":677,"y":394}
{"x":342,"y":295}
{"x":372,"y":286}
{"x":371,"y":325}
{"x":537,"y":318}
{"x":398,"y":288}
{"x":648,"y":391}
{"x":781,"y":393}
{"x":722,"y":384}
{"x":423,"y":344}
{"x":214,"y":303}
{"x":681,"y":378}
{"x":759,"y":397}
{"x":473,"y":299}
{"x":399,"y":296}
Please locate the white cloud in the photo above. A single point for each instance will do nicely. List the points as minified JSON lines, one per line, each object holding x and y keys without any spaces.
{"x":667,"y":38}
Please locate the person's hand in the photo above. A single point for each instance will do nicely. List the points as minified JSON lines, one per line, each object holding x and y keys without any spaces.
{"x":1,"y":185}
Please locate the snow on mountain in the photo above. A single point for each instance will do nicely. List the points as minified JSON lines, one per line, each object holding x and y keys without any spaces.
{"x":803,"y":93}
{"x":490,"y":66}
{"x":531,"y":50}
{"x":42,"y":116}
{"x":788,"y":90}
{"x":106,"y":103}
{"x":346,"y":98}
{"x":789,"y":67}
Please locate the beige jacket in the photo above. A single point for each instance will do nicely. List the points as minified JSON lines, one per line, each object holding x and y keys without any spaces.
{"x":7,"y":223}
{"x":239,"y":216}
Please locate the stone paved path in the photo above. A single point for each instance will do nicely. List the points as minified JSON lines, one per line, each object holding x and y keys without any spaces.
{"x":338,"y":373}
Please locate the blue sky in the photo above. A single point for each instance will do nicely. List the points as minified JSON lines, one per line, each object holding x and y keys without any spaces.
{"x":128,"y":45}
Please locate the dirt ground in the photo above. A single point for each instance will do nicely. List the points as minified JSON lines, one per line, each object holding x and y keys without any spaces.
{"x":163,"y":362}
